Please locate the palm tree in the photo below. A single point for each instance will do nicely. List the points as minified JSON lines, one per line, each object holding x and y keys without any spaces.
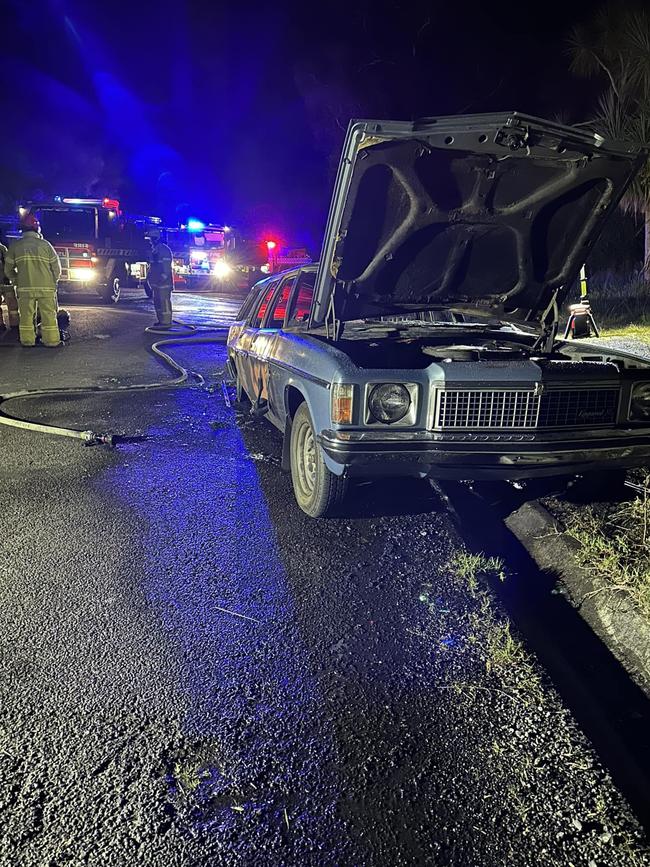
{"x":615,"y":45}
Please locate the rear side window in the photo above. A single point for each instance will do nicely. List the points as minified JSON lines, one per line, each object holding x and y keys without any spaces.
{"x":249,"y":301}
{"x":301,"y":304}
{"x":261,"y":310}
{"x":281,"y":301}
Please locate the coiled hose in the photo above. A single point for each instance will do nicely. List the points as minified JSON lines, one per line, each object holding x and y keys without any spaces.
{"x":188,"y":334}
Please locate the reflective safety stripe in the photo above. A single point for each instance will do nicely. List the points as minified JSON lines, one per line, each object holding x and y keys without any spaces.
{"x":111,"y":251}
{"x":33,"y":257}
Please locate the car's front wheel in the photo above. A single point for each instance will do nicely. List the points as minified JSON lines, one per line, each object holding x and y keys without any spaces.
{"x":317,"y":490}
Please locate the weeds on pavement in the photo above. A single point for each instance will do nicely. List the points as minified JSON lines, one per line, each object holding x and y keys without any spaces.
{"x":487,"y":637}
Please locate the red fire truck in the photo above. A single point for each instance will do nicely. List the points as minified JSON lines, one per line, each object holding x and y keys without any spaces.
{"x":100,"y":248}
{"x":201,"y":253}
{"x":213,"y":257}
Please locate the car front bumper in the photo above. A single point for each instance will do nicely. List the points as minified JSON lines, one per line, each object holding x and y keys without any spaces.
{"x":421,"y":453}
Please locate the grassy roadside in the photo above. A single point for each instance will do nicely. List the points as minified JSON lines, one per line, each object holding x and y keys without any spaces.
{"x":638,"y":332}
{"x":525,"y":740}
{"x":614,"y":539}
{"x":614,"y":544}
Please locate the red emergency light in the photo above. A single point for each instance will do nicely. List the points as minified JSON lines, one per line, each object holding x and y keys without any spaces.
{"x":271,"y":245}
{"x":110,"y":204}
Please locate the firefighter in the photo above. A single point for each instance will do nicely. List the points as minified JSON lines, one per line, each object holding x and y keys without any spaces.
{"x":161,"y":278}
{"x":7,"y":294}
{"x":33,"y":267}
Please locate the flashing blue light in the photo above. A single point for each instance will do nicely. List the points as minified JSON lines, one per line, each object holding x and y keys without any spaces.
{"x":195,"y":226}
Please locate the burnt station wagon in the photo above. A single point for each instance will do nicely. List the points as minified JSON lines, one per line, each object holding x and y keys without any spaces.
{"x":425,"y":341}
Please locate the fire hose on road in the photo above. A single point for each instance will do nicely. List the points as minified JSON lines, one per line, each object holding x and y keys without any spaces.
{"x":183,"y":334}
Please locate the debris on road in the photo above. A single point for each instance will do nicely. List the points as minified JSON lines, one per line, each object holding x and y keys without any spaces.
{"x":237,"y":614}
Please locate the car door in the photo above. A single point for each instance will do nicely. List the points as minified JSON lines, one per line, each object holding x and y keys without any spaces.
{"x":267,"y":346}
{"x":245,"y":361}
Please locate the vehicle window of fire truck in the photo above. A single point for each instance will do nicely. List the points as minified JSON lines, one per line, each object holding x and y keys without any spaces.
{"x":280,"y":309}
{"x":301,"y":304}
{"x":214,"y":239}
{"x":68,"y":224}
{"x":259,"y":316}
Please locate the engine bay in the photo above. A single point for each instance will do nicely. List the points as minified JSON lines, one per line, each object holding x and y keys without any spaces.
{"x":416,"y":348}
{"x":405,"y":347}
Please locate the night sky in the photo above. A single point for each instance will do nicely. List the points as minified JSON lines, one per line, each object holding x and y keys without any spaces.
{"x":235,"y":112}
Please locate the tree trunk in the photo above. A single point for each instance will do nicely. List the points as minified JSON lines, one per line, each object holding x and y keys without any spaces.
{"x":646,"y":246}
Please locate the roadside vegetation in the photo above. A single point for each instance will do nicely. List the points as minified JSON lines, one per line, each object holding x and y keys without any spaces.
{"x":620,"y":303}
{"x":528,"y":745}
{"x":497,"y":656}
{"x":614,"y":544}
{"x":636,"y":332}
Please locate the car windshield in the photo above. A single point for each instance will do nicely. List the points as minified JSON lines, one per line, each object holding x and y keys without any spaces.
{"x":68,"y":224}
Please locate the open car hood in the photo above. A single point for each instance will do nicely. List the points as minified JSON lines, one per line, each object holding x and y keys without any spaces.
{"x":492,"y":212}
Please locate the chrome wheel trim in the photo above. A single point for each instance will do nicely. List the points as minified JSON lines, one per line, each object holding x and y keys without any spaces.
{"x":306,"y":460}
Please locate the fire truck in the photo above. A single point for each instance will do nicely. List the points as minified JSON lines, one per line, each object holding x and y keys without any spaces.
{"x":201,"y":254}
{"x":101,"y":249}
{"x":213,"y":257}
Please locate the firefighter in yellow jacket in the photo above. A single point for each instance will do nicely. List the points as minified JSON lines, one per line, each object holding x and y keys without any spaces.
{"x":33,"y":267}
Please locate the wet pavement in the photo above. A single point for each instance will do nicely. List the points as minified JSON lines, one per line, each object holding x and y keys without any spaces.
{"x":193,"y":672}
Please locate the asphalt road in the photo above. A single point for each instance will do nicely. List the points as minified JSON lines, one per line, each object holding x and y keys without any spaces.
{"x":192,"y":672}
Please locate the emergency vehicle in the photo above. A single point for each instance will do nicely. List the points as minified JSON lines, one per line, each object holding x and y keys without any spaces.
{"x":201,"y":253}
{"x":100,"y":248}
{"x":282,"y":258}
{"x":210,"y":256}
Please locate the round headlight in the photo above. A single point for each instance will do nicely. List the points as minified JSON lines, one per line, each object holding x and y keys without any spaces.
{"x":640,"y":403}
{"x":389,"y":403}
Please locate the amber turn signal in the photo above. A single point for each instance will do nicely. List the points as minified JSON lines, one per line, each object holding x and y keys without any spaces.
{"x":342,"y":399}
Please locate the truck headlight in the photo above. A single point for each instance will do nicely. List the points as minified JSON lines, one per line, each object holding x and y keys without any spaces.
{"x":389,"y":402}
{"x":221,"y":270}
{"x":85,"y":275}
{"x":640,"y":402}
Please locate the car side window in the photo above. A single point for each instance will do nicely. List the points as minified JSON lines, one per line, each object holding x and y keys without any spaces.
{"x":276,"y":319}
{"x":247,"y":306}
{"x":251,"y":301}
{"x":301,"y":302}
{"x":260,"y":313}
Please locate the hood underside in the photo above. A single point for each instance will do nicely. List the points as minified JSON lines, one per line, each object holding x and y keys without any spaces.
{"x":496,"y":212}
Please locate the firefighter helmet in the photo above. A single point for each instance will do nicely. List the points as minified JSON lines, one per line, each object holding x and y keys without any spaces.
{"x":30,"y":222}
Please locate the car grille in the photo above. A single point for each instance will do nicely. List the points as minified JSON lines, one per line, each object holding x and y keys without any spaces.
{"x":506,"y":409}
